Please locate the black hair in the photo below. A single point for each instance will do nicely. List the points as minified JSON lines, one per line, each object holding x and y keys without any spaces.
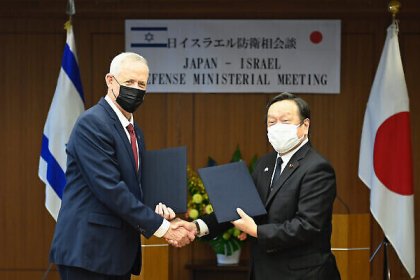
{"x":304,"y":111}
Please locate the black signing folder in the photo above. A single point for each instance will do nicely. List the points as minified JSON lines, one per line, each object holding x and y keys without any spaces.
{"x":230,"y":186}
{"x":164,"y":178}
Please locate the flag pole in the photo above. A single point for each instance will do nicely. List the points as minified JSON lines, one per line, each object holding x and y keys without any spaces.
{"x":393,"y":7}
{"x":71,"y":8}
{"x":389,"y":91}
{"x":386,"y":272}
{"x":70,"y":11}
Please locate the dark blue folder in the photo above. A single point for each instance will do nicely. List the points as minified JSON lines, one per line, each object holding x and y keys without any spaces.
{"x":164,"y":178}
{"x":230,"y":186}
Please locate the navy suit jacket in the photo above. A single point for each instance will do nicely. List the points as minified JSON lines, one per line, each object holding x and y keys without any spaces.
{"x":294,"y":237}
{"x":102,"y":213}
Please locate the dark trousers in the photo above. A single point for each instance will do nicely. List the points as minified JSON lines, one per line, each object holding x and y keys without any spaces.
{"x":75,"y":273}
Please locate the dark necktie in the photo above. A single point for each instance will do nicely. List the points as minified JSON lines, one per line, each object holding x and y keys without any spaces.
{"x":277,"y":172}
{"x":133,"y":141}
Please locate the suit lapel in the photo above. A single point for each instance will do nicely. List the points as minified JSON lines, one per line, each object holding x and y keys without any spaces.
{"x":120,"y":130}
{"x":290,"y":168}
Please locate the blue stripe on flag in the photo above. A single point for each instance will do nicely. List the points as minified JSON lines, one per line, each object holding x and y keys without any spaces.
{"x":55,"y":175}
{"x":69,"y":64}
{"x":149,"y":28}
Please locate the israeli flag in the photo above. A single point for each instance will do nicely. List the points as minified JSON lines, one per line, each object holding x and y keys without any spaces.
{"x":66,"y":106}
{"x":146,"y":37}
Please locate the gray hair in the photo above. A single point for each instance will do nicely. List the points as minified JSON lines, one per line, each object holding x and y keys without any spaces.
{"x":125,"y":57}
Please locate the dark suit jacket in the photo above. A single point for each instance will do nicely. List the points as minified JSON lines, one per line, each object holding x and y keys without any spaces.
{"x":294,"y":237}
{"x":102,"y":214}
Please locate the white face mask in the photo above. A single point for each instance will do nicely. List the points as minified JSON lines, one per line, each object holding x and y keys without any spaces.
{"x":283,"y":137}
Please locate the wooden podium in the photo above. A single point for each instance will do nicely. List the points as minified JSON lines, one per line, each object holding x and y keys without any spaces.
{"x":155,"y":254}
{"x":350,"y":244}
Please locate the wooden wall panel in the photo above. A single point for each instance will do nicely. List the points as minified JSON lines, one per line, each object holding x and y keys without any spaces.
{"x":104,"y":48}
{"x":180,"y":108}
{"x":222,"y":122}
{"x":26,"y":229}
{"x":152,"y":118}
{"x":28,"y":274}
{"x":32,"y":40}
{"x":340,"y":120}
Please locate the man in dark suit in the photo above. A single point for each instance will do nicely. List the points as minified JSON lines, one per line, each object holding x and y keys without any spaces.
{"x":298,"y":187}
{"x":102,"y":215}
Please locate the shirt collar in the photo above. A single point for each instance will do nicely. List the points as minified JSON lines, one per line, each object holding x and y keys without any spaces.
{"x":123,"y":120}
{"x":286,"y":157}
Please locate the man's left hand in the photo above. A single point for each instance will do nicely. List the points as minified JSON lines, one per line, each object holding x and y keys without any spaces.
{"x":245,"y":223}
{"x":165,"y":212}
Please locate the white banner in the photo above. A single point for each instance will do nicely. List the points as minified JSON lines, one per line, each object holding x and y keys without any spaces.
{"x":238,"y":55}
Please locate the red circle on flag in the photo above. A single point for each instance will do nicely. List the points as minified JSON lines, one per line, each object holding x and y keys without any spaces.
{"x":316,"y":37}
{"x":392,"y":154}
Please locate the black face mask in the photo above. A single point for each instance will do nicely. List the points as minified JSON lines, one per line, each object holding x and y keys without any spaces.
{"x":129,"y":98}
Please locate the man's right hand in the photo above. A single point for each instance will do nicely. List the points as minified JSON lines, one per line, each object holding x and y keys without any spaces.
{"x":180,"y":233}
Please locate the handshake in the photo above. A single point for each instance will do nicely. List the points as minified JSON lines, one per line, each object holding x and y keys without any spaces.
{"x":180,"y":232}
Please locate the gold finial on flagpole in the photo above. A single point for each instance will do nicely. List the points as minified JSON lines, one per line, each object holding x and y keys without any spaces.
{"x":70,"y":10}
{"x":67,"y":25}
{"x":394,"y":7}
